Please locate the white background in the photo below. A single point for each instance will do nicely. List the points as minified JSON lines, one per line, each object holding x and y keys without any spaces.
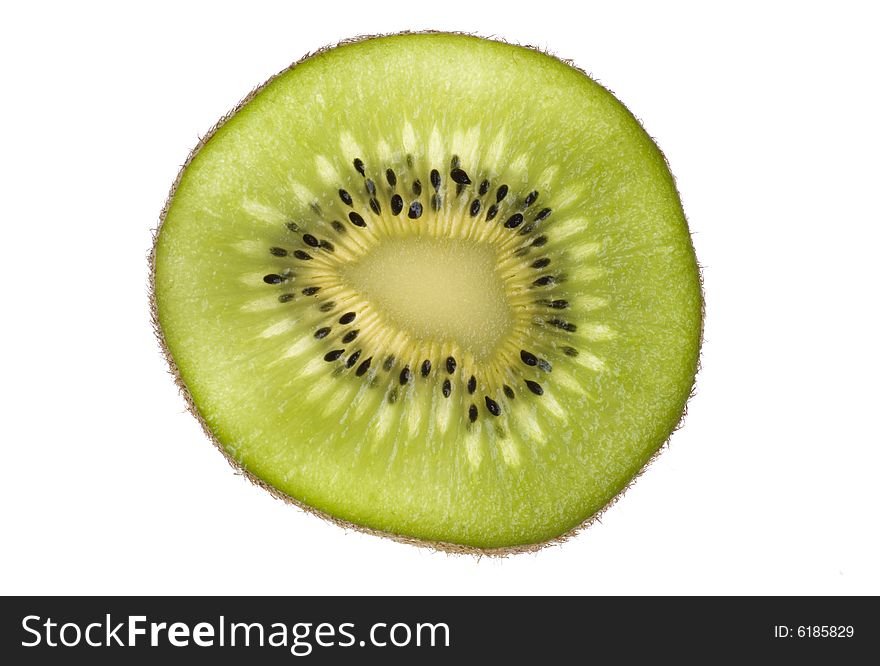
{"x":768,"y":115}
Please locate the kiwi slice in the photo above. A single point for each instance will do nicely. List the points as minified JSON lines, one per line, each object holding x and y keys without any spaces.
{"x":432,"y":286}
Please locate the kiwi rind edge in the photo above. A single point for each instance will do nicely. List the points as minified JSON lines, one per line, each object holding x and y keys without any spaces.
{"x":442,"y":546}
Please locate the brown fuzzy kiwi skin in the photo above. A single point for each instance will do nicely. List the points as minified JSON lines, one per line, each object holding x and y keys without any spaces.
{"x":441,"y":546}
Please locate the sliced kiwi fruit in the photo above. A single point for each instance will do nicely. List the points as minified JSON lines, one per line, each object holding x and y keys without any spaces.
{"x":432,"y":286}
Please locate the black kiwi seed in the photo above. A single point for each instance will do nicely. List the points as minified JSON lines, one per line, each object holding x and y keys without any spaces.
{"x":570,"y":351}
{"x":447,"y":388}
{"x":436,"y":200}
{"x":338,"y":226}
{"x":326,"y":307}
{"x":405,"y":376}
{"x":531,"y":198}
{"x":363,"y":367}
{"x":371,"y":187}
{"x":351,"y":360}
{"x":544,"y":364}
{"x":460,"y":176}
{"x":391,"y":177}
{"x":285,"y":298}
{"x":472,"y":385}
{"x":333,"y":355}
{"x":389,"y":362}
{"x":347,"y":318}
{"x":491,"y":213}
{"x":392,"y":396}
{"x":559,"y":304}
{"x":484,"y":187}
{"x":396,"y":204}
{"x":528,"y":357}
{"x":310,"y":240}
{"x":540,"y":241}
{"x":346,"y":197}
{"x":435,"y":179}
{"x":544,"y":281}
{"x":526,"y":230}
{"x":534,"y":387}
{"x":417,"y":187}
{"x":277,"y":251}
{"x":543,"y":215}
{"x":514,"y":221}
{"x":300,"y":254}
{"x":475,"y":208}
{"x":541,"y":263}
{"x":454,"y":162}
{"x":562,"y":324}
{"x":327,"y":245}
{"x":350,"y":336}
{"x":501,"y":193}
{"x":374,"y":205}
{"x":472,"y":413}
{"x":310,"y":291}
{"x":493,"y":407}
{"x":509,"y":392}
{"x":450,"y":364}
{"x":293,"y":226}
{"x":273,"y":278}
{"x":356,"y":219}
{"x":521,"y":252}
{"x":415,"y":210}
{"x":359,"y":166}
{"x":426,"y":368}
{"x":322,"y":332}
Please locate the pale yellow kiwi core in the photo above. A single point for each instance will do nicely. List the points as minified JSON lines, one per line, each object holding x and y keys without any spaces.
{"x":441,"y":289}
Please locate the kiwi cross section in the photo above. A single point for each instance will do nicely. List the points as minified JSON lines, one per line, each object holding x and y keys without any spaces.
{"x":483,"y":346}
{"x":434,"y":287}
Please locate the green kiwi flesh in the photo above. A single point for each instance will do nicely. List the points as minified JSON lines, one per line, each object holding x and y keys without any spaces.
{"x":432,"y":286}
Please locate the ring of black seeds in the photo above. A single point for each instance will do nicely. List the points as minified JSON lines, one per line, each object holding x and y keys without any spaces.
{"x":513,"y":220}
